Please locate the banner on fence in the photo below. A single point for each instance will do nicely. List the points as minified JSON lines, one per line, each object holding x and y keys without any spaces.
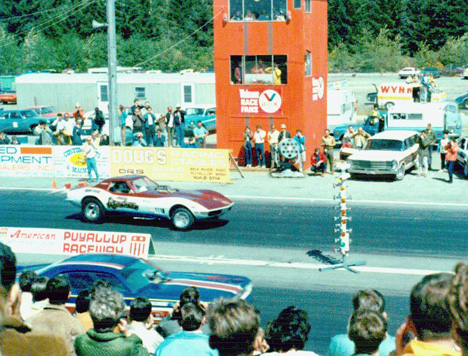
{"x":70,"y":161}
{"x":172,"y":164}
{"x":75,"y":242}
{"x":16,"y":160}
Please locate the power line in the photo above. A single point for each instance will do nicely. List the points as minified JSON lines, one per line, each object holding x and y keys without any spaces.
{"x":181,"y":41}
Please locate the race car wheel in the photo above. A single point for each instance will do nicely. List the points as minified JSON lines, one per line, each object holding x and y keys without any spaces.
{"x":92,"y":210}
{"x":182,"y":219}
{"x":401,"y":172}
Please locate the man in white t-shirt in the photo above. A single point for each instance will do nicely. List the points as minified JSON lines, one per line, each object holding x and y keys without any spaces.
{"x":272,"y":138}
{"x":90,"y":152}
{"x":259,"y":141}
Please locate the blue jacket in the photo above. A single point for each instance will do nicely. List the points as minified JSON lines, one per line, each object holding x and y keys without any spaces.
{"x":187,"y":343}
{"x":301,"y":142}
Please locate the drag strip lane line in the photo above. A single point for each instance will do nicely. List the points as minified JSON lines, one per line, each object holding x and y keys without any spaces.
{"x":294,"y":265}
{"x":389,"y":202}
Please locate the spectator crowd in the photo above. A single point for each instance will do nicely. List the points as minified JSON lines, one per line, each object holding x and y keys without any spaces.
{"x":35,"y":321}
{"x":140,"y":127}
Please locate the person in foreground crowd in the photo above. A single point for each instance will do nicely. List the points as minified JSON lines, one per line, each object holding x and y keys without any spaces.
{"x":106,"y":309}
{"x":457,"y":302}
{"x":55,"y":318}
{"x":191,"y":341}
{"x":40,"y":299}
{"x":26,"y":280}
{"x":16,"y":338}
{"x":248,"y":139}
{"x":234,"y":326}
{"x":428,"y":326}
{"x":441,"y":149}
{"x":141,"y":324}
{"x":288,"y":333}
{"x":170,"y":324}
{"x":363,"y":300}
{"x":82,"y":309}
{"x":367,"y":329}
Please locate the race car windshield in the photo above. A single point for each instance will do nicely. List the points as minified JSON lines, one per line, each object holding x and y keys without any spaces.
{"x":144,"y":184}
{"x":138,"y":274}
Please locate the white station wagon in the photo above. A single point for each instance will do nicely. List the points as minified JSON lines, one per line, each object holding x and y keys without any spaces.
{"x":389,"y":153}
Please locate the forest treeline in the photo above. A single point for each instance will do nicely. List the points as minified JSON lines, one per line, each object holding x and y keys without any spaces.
{"x":364,"y":35}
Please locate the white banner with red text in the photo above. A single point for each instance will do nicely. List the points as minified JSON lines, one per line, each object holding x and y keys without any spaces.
{"x":75,"y":242}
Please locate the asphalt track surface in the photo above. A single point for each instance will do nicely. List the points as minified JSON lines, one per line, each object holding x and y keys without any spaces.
{"x":430,"y":232}
{"x":403,"y":230}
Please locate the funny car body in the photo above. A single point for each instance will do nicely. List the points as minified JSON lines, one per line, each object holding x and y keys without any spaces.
{"x":137,"y":277}
{"x":138,"y":195}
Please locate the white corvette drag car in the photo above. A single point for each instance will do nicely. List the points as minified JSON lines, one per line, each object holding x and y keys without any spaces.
{"x":138,"y":195}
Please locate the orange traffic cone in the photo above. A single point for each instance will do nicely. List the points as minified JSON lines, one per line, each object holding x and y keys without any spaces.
{"x":68,"y":186}
{"x":85,"y":183}
{"x":54,"y":184}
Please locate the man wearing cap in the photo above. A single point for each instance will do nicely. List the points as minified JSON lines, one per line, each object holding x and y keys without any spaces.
{"x":284,"y":133}
{"x":179,"y":123}
{"x":90,"y":152}
{"x":139,"y":141}
{"x":272,"y":139}
{"x":328,"y":142}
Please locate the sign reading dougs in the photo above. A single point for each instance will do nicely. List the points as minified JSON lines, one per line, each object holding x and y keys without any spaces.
{"x":175,"y":164}
{"x":74,"y":242}
{"x":261,"y":101}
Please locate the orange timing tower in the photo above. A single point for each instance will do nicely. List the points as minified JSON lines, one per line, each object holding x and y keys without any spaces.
{"x":271,"y":68}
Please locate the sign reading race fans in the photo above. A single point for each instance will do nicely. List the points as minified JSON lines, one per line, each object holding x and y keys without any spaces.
{"x":261,"y":101}
{"x":74,"y":242}
{"x":175,"y":164}
{"x":26,"y":161}
{"x":70,"y":161}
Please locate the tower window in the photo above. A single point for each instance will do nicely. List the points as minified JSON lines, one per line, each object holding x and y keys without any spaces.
{"x":258,"y":10}
{"x":259,"y":69}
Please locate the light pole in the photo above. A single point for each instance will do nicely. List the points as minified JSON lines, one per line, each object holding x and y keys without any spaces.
{"x":112,"y":69}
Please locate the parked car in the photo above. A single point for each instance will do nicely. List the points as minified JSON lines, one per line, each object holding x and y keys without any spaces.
{"x":135,"y":277}
{"x":431,"y":70}
{"x":8,"y":97}
{"x":388,"y":153}
{"x":368,"y":126}
{"x":44,"y":110}
{"x":406,"y":72}
{"x":138,"y":195}
{"x":462,"y":101}
{"x":20,"y":121}
{"x":205,"y":113}
{"x":462,"y":157}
